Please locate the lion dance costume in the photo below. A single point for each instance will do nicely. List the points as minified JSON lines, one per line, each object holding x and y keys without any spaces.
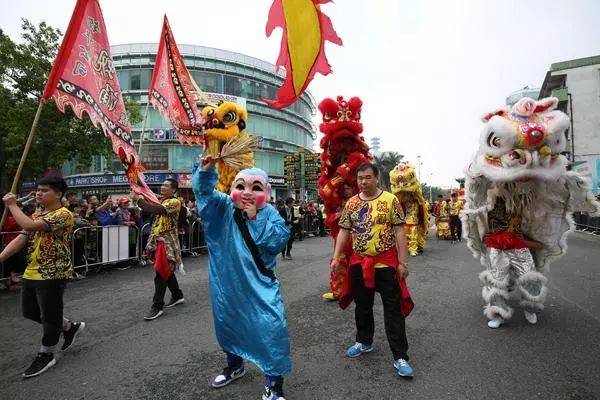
{"x":344,"y":149}
{"x":442,"y":220}
{"x":407,"y":188}
{"x":223,"y":123}
{"x":520,"y":200}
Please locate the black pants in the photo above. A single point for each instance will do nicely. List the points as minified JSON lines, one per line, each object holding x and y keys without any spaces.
{"x":297,"y":230}
{"x":160,"y":288}
{"x":455,"y":228}
{"x":288,"y":247}
{"x":42,"y":302}
{"x":321,"y":227}
{"x":387,"y":286}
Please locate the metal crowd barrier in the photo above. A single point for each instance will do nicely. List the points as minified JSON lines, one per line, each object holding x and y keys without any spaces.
{"x":585,"y":223}
{"x":100,"y":246}
{"x":197,"y":244}
{"x":310,"y":225}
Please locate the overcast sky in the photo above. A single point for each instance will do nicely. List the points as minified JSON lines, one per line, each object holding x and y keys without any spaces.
{"x":426,"y":70}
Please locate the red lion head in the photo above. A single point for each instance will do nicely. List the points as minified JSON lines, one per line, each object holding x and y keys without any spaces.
{"x":344,"y":149}
{"x":341,"y":119}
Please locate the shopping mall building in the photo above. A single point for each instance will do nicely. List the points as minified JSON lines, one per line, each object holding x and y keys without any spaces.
{"x":222,"y":75}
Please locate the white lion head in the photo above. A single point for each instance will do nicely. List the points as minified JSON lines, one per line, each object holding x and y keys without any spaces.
{"x":523,"y":142}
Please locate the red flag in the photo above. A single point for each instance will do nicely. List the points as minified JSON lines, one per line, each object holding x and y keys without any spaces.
{"x":84,"y":77}
{"x":170,"y":90}
{"x":305,"y":30}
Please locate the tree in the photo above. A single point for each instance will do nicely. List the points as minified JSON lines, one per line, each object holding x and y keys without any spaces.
{"x":435,"y":192}
{"x":386,"y":162}
{"x":60,"y":137}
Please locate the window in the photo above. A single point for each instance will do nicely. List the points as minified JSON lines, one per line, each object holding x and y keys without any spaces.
{"x":208,"y":81}
{"x":155,"y":158}
{"x":135,"y":80}
{"x":183,"y":157}
{"x":123,"y":76}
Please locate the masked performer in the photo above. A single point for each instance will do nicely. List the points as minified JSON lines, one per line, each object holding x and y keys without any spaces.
{"x":344,"y":149}
{"x":244,"y":234}
{"x":406,"y":187}
{"x":520,"y":199}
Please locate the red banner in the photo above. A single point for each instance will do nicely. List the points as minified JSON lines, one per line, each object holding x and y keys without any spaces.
{"x":84,"y":77}
{"x":171,"y":87}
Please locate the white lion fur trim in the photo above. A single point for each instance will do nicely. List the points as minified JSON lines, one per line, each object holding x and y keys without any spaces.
{"x":533,"y":276}
{"x":488,"y":292}
{"x":532,"y":305}
{"x":492,"y":311}
{"x":488,"y":279}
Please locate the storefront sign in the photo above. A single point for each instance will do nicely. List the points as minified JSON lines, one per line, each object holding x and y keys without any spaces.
{"x":277,"y":180}
{"x":108,"y":180}
{"x":215,"y":98}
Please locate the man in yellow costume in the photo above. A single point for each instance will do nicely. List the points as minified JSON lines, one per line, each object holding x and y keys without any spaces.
{"x":407,"y":188}
{"x":440,"y":211}
{"x":454,"y":208}
{"x":163,"y":247}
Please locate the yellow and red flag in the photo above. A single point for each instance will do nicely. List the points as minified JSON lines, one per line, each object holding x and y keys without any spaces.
{"x":84,"y":77}
{"x":305,"y":30}
{"x":171,"y":90}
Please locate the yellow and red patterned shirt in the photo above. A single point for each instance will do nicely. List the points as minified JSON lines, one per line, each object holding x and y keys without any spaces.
{"x":455,"y":207}
{"x":372,"y":223}
{"x":49,"y":254}
{"x":167,"y":222}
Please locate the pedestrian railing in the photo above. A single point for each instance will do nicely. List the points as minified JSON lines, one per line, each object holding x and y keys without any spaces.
{"x":101,"y":246}
{"x":98,"y":247}
{"x":196,"y":244}
{"x":585,"y":223}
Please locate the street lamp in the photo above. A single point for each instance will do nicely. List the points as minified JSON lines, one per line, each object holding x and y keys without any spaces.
{"x":429,"y":182}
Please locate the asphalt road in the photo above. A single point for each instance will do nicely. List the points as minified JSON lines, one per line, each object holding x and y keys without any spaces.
{"x":455,"y":355}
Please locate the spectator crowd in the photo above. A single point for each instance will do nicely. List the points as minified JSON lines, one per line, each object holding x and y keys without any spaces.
{"x":89,"y":211}
{"x":304,"y":218}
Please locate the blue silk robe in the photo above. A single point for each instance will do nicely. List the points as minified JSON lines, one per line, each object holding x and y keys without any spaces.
{"x":248,"y":312}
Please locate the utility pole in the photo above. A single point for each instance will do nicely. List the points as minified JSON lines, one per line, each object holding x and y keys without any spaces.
{"x":572,"y":131}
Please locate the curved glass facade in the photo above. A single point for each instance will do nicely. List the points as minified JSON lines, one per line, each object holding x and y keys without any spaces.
{"x":215,"y":71}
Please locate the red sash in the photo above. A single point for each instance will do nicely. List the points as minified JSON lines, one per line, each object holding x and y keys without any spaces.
{"x":504,"y":241}
{"x":367,"y":263}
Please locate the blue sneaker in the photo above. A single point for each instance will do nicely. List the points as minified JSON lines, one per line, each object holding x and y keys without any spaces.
{"x":357,"y":349}
{"x":404,"y":368}
{"x":229,"y":375}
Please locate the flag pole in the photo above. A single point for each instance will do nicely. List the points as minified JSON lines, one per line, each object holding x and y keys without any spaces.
{"x":17,"y":177}
{"x":144,"y":128}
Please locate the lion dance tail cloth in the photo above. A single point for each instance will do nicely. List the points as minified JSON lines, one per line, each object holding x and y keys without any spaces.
{"x":223,"y":123}
{"x":343,"y":150}
{"x":519,"y":192}
{"x":407,"y":188}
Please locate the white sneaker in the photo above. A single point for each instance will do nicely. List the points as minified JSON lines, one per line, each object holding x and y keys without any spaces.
{"x":495,"y":323}
{"x":530,"y":317}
